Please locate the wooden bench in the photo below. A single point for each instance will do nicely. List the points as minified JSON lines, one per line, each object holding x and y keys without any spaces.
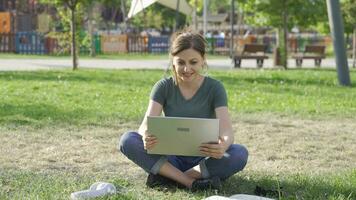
{"x":222,"y":50}
{"x":252,"y":51}
{"x":316,"y":52}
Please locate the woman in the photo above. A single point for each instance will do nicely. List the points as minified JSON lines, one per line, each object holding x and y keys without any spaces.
{"x":189,"y":93}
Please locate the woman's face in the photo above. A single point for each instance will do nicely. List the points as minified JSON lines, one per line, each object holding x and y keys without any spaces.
{"x":187,"y":65}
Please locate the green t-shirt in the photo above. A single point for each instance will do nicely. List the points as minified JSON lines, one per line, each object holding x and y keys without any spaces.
{"x":209,"y":96}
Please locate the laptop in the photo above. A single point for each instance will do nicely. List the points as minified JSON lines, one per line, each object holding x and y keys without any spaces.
{"x":181,"y":136}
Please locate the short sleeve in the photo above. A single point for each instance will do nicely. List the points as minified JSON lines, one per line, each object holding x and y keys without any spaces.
{"x":158,"y":92}
{"x":220,"y":96}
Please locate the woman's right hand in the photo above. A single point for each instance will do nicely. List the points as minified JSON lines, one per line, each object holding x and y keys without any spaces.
{"x":149,"y":141}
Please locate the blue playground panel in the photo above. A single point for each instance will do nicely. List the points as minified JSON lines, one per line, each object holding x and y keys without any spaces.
{"x":158,"y":44}
{"x":219,"y":42}
{"x":29,"y":43}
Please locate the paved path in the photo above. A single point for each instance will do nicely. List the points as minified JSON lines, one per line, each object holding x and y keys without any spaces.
{"x":47,"y":64}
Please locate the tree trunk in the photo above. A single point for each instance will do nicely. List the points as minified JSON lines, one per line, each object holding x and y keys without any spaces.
{"x":354,"y":49}
{"x":74,"y":46}
{"x":91,"y":34}
{"x":285,"y":36}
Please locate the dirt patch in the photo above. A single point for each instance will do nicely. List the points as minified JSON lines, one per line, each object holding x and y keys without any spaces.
{"x":275,"y":144}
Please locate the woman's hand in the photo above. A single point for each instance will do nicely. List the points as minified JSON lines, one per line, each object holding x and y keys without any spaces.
{"x":216,"y":150}
{"x":149,"y":141}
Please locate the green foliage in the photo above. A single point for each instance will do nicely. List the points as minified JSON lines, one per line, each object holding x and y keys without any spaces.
{"x":157,"y":16}
{"x":112,"y":12}
{"x":301,"y":13}
{"x":199,"y":5}
{"x":349,"y":13}
{"x":64,"y":37}
{"x":221,"y":6}
{"x":64,"y":42}
{"x":150,"y":18}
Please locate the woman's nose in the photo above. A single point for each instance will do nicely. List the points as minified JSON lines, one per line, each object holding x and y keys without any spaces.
{"x":186,"y":68}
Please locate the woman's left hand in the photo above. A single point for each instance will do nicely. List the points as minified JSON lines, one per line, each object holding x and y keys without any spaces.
{"x":214,"y":150}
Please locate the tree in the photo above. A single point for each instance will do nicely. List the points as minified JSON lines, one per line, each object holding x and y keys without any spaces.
{"x":72,"y":5}
{"x":114,"y":12}
{"x":283,"y":15}
{"x":157,"y":16}
{"x":349,"y":11}
{"x":221,"y":6}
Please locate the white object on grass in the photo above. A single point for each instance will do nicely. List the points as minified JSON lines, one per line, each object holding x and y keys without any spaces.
{"x":98,"y":189}
{"x":237,"y":197}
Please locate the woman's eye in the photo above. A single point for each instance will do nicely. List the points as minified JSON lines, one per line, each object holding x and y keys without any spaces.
{"x":180,"y":63}
{"x":193,"y":63}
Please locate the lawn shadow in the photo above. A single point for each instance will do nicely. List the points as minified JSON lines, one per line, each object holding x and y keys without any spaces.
{"x":277,"y":78}
{"x":292,"y":187}
{"x":123,"y":77}
{"x":37,"y":113}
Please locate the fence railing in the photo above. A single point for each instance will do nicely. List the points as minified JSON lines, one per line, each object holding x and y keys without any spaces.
{"x":30,"y":43}
{"x":38,"y":43}
{"x":7,"y":43}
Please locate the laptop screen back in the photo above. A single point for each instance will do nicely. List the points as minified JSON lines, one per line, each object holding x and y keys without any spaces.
{"x":181,"y":136}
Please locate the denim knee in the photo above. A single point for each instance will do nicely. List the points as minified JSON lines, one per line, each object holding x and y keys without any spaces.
{"x":233,"y":161}
{"x":239,"y":154}
{"x":127,"y":141}
{"x":131,"y":145}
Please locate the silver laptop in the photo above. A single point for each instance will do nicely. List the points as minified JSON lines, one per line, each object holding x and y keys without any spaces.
{"x":181,"y":136}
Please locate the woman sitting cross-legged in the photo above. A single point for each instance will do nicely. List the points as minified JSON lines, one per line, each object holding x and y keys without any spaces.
{"x":188,"y":93}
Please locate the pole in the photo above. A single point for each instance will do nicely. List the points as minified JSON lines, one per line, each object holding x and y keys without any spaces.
{"x":177,"y":16}
{"x":285,"y":35}
{"x":195,"y":15}
{"x":354,"y":48}
{"x":74,"y":45}
{"x":337,"y":31}
{"x":232,"y":28}
{"x":205,"y":16}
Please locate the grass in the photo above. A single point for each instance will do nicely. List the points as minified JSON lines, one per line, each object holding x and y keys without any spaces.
{"x":94,"y":97}
{"x":59,"y":130}
{"x":34,"y":185}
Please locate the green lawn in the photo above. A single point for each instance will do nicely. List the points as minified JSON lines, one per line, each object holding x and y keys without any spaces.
{"x":59,"y":129}
{"x":47,"y":98}
{"x":31,"y":185}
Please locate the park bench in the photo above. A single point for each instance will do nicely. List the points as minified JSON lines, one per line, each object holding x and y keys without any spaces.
{"x":251,"y":51}
{"x":316,"y":52}
{"x":222,"y":50}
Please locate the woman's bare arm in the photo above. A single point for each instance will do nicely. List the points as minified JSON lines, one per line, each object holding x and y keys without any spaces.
{"x":222,"y":113}
{"x":153,"y":109}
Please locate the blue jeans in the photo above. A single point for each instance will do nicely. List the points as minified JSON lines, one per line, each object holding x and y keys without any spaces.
{"x":234,"y":160}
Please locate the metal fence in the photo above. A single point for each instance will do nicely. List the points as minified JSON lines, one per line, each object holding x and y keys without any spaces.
{"x":30,"y":43}
{"x":38,"y":43}
{"x":7,"y":43}
{"x":158,"y":44}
